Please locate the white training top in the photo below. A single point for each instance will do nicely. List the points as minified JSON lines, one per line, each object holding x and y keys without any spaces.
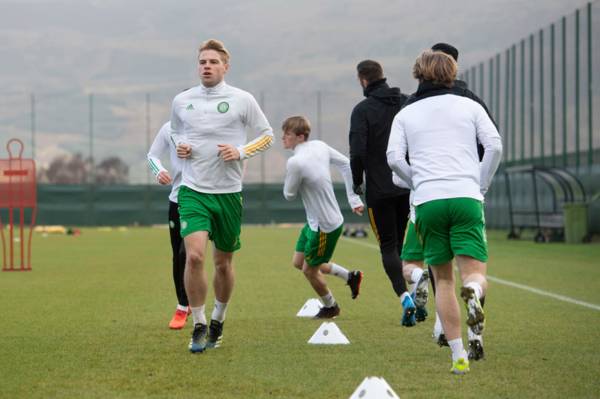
{"x":308,"y":172}
{"x":439,"y":133}
{"x":402,"y":184}
{"x":207,"y":116}
{"x":161,"y":146}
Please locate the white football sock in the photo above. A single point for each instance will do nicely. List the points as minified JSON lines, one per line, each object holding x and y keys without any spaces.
{"x":339,"y":271}
{"x":472,"y":336}
{"x":437,"y":327}
{"x":415,"y":275}
{"x":404,"y":294}
{"x":458,"y":350}
{"x":198,"y":314}
{"x":182,"y":308}
{"x":476,"y":287}
{"x":218,"y":312}
{"x":328,"y":300}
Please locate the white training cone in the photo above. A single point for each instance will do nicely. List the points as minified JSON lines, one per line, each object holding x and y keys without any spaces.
{"x":328,"y":333}
{"x":310,"y":308}
{"x":374,"y":388}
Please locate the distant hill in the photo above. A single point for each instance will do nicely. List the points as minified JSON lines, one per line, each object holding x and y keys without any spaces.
{"x":62,"y":51}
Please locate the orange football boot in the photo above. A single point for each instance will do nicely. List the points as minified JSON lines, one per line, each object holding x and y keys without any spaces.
{"x":179,"y":319}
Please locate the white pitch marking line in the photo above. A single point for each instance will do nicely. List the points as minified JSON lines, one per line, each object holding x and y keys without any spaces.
{"x":509,"y":283}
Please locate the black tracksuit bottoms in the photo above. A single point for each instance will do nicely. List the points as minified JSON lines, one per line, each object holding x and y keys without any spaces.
{"x":178,"y":249}
{"x":388,"y":218}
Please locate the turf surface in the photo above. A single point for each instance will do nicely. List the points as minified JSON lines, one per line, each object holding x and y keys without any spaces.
{"x":91,"y":320}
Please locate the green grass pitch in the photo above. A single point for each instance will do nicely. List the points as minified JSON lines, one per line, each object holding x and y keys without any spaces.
{"x":90,"y":321}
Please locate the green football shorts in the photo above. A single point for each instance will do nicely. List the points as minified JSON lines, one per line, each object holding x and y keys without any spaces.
{"x":219,"y":214}
{"x":412,"y":248}
{"x":450,"y":227}
{"x":317,"y":246}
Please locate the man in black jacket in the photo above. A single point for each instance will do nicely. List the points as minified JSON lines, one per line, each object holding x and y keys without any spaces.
{"x":388,"y":205}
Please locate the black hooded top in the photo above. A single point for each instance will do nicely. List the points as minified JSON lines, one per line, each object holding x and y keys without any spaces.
{"x":370,"y":126}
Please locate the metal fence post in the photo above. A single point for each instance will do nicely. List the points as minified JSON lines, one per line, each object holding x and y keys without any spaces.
{"x":506,"y":104}
{"x":513,"y":100}
{"x":531,"y":100}
{"x":148,"y":190}
{"x":542,"y":138}
{"x":497,"y":102}
{"x":564,"y":88}
{"x":491,"y":83}
{"x":522,"y":102}
{"x":481,"y":85}
{"x":91,"y":218}
{"x":590,"y":93}
{"x":148,"y":139}
{"x":552,"y":94}
{"x":33,"y":116}
{"x":577,"y":82}
{"x":263,"y":172}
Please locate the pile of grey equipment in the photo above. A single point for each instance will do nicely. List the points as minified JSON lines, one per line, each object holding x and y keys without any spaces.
{"x":355,"y":231}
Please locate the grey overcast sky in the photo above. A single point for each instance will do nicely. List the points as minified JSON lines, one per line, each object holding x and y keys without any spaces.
{"x":121,"y":48}
{"x":53,"y":44}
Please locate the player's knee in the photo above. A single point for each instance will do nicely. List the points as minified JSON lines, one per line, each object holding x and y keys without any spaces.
{"x":309,"y":271}
{"x":306,"y":272}
{"x":298,"y":260}
{"x":223,"y":266}
{"x":444,"y":283}
{"x":195,"y":258}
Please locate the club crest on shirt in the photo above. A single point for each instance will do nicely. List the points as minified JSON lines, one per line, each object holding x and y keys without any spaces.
{"x":223,"y":107}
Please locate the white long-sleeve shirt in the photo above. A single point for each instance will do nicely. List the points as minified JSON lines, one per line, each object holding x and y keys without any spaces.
{"x":160,"y":148}
{"x":439,"y":133}
{"x":308,"y":173}
{"x":401,"y":183}
{"x":207,"y":116}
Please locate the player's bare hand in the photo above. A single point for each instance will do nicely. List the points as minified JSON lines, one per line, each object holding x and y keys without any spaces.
{"x":358,"y":210}
{"x":184,"y":150}
{"x":228,"y":152}
{"x":163,"y":177}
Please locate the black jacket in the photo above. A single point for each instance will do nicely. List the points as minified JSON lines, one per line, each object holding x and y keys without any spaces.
{"x":429,"y":89}
{"x":370,"y":126}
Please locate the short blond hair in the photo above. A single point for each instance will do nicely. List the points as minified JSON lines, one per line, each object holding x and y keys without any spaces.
{"x":218,"y":46}
{"x":299,"y":125}
{"x":435,"y":66}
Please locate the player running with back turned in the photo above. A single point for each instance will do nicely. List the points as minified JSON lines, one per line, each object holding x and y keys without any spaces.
{"x":439,"y":133}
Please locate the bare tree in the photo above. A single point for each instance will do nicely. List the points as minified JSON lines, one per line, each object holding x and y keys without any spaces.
{"x":67,"y":169}
{"x":112,"y":170}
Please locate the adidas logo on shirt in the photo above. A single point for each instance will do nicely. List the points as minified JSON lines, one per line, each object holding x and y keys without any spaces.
{"x":189,"y":107}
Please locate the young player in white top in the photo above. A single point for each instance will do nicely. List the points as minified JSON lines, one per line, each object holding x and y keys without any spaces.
{"x":439,"y":133}
{"x":209,"y":124}
{"x":163,"y":147}
{"x":308,"y":174}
